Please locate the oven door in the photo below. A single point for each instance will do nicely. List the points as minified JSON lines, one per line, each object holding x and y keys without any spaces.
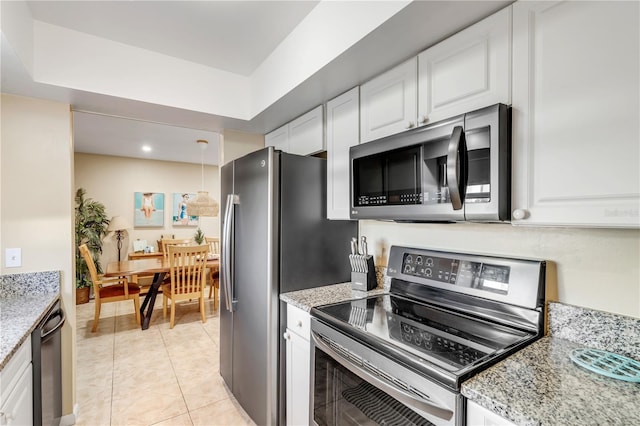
{"x":354,"y":385}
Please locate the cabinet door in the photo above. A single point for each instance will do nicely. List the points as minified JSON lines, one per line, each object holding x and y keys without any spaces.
{"x":343,"y":132}
{"x":306,"y":133}
{"x":17,"y":408}
{"x":279,"y":138}
{"x":467,"y":71}
{"x":480,"y":416}
{"x":388,"y":102}
{"x":298,"y":364}
{"x":576,"y":114}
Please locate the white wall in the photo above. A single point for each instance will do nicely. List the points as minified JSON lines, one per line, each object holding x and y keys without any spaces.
{"x":37,"y":204}
{"x":594,"y":268}
{"x":113,"y":181}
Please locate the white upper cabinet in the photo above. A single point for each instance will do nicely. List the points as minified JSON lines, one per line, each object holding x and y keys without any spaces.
{"x":279,"y":138}
{"x":343,"y":132}
{"x":467,"y":71}
{"x":306,"y":133}
{"x":388,"y":102}
{"x":302,"y":136}
{"x":576,"y":114}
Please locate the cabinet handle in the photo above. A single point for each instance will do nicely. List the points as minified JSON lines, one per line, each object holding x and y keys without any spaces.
{"x":299,"y":323}
{"x":409,"y":125}
{"x":520,"y":214}
{"x":423,"y":119}
{"x":286,"y":336}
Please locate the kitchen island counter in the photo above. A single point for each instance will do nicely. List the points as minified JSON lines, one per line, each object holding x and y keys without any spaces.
{"x":24,"y":300}
{"x":541,"y":385}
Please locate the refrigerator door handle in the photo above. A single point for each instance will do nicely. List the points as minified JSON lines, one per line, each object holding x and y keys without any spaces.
{"x":227,"y":244}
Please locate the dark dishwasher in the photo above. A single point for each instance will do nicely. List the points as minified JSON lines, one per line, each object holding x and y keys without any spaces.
{"x":47,"y":364}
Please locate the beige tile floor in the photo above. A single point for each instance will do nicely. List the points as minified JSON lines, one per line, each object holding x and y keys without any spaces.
{"x":159,"y":376}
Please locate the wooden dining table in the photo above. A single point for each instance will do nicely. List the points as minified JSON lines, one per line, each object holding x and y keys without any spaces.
{"x":159,"y":267}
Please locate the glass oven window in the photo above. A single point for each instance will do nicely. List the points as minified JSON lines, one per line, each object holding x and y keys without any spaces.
{"x":342,"y":398}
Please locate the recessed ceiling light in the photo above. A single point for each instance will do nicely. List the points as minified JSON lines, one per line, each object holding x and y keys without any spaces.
{"x":146,"y":148}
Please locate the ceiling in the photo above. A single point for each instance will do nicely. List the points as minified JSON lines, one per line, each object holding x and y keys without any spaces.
{"x":232,"y":36}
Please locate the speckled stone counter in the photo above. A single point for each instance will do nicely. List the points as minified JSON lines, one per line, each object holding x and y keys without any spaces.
{"x":24,"y":300}
{"x":307,"y":299}
{"x":540,"y":385}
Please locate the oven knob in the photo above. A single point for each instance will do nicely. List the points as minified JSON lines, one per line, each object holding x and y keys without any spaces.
{"x":407,"y":269}
{"x":419,"y":260}
{"x":429,"y":261}
{"x":428,"y":272}
{"x":409,"y":258}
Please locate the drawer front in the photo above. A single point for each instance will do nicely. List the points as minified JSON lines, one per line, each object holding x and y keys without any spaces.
{"x":298,"y":321}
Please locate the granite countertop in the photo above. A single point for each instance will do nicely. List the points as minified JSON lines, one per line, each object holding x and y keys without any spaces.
{"x":307,"y":299}
{"x":24,"y":301}
{"x":540,"y":385}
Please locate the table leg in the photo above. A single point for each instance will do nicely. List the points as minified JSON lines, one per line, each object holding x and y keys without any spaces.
{"x":150,"y":299}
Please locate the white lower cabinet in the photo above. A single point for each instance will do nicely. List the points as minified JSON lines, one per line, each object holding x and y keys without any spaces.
{"x":576,"y":114}
{"x":480,"y":416}
{"x":343,"y":132}
{"x":16,"y":387}
{"x":297,"y":340}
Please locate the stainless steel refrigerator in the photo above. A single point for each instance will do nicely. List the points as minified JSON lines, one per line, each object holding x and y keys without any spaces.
{"x":275,"y":239}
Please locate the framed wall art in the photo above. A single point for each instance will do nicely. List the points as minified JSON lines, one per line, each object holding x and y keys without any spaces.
{"x":148,"y":209}
{"x":179,"y":215}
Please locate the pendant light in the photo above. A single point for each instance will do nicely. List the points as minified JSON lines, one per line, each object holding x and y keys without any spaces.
{"x":203,"y":205}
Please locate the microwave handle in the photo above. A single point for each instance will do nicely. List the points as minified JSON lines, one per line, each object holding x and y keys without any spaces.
{"x":456,"y":167}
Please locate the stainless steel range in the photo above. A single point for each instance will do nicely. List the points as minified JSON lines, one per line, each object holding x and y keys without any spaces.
{"x":400,"y":358}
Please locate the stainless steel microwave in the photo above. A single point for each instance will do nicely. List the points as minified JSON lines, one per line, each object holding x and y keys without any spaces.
{"x":458,"y":169}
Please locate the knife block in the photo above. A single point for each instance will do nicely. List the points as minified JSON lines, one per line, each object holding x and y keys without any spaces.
{"x":365,"y":280}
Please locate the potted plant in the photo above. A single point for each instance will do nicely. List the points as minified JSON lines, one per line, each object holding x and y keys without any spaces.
{"x":91,"y":226}
{"x":199,"y":237}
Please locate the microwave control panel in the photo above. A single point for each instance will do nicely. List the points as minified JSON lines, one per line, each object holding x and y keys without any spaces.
{"x":463,"y":273}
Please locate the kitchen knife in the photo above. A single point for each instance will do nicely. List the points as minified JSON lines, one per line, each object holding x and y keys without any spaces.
{"x":363,"y":246}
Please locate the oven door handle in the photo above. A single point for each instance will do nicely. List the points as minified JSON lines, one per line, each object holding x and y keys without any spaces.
{"x":409,"y":399}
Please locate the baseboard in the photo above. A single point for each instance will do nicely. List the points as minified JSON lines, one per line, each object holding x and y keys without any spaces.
{"x":70,"y":419}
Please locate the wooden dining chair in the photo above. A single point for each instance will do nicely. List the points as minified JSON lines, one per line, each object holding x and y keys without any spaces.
{"x":108,"y":290}
{"x":166,"y":242}
{"x":187,"y":279}
{"x":214,"y":273}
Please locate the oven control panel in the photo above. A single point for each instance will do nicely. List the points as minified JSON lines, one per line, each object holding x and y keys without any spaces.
{"x":463,"y":273}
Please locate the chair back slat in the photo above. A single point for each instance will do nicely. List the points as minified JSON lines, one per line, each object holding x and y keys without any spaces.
{"x":187,"y":266}
{"x":93,"y":271}
{"x":214,"y":244}
{"x":166,"y":242}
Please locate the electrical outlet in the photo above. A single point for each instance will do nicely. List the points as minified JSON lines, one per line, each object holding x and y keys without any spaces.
{"x":13,"y":258}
